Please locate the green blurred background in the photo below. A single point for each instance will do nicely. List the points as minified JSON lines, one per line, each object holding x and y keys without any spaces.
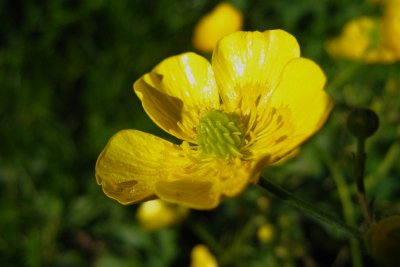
{"x":66,"y":75}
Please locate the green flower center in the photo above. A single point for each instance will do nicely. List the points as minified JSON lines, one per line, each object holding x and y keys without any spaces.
{"x":219,"y":134}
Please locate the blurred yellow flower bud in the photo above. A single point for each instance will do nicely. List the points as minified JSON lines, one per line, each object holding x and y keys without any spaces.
{"x":157,"y":214}
{"x":391,"y":26}
{"x":202,"y":257}
{"x":266,"y":233}
{"x":224,"y":19}
{"x":383,"y":241}
{"x":360,"y":39}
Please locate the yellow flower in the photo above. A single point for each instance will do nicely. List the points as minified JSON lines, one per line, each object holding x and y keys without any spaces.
{"x":391,"y":26}
{"x":156,"y":214}
{"x":224,"y":19}
{"x":266,"y":233}
{"x":361,"y":39}
{"x":255,"y":103}
{"x":202,"y":257}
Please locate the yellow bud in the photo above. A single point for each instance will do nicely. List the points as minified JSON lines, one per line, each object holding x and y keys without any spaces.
{"x":202,"y":257}
{"x":224,"y":19}
{"x":383,"y":241}
{"x":156,"y":214}
{"x":266,"y":233}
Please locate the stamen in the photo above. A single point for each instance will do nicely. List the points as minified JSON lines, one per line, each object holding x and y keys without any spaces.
{"x":220,"y":134}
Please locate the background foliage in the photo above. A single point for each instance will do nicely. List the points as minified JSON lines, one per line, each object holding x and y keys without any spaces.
{"x":66,"y":73}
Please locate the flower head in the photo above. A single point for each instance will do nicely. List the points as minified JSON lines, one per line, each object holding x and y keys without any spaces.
{"x":253,"y":105}
{"x":222,"y":20}
{"x":371,"y":40}
{"x":361,"y":39}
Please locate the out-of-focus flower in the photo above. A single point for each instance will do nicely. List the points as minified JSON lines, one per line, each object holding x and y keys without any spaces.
{"x":391,"y":26}
{"x":383,"y":241}
{"x":202,"y":257}
{"x":156,"y":214}
{"x":257,"y":101}
{"x":371,"y":40}
{"x":222,"y":20}
{"x":361,"y":40}
{"x":266,"y":233}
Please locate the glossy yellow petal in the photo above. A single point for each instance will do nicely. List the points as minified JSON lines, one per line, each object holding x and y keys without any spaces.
{"x":224,"y":19}
{"x":248,"y":65}
{"x":301,"y":90}
{"x":194,"y":194}
{"x":300,"y":107}
{"x":203,"y":184}
{"x":176,"y":91}
{"x":168,"y":112}
{"x":132,"y":162}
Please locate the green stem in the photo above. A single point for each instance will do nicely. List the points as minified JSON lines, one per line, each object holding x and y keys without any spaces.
{"x":390,"y":160}
{"x":345,"y":199}
{"x":359,"y":170}
{"x":308,"y":208}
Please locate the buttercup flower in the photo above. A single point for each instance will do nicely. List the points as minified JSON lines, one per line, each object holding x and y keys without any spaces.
{"x":222,"y":20}
{"x":255,"y":103}
{"x":372,"y":40}
{"x":361,"y":39}
{"x":202,"y":257}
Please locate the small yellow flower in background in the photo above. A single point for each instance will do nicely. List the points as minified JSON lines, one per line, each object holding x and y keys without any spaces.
{"x":156,"y":214}
{"x":371,"y":40}
{"x":266,"y":233}
{"x":255,"y":103}
{"x":202,"y":257}
{"x":361,"y":40}
{"x":222,"y":20}
{"x":391,"y":26}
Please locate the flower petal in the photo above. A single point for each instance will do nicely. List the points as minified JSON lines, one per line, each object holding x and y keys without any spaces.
{"x":132,"y":162}
{"x":176,"y":91}
{"x":301,"y":89}
{"x":195,"y":194}
{"x":248,"y":65}
{"x":301,"y":106}
{"x":202,"y":185}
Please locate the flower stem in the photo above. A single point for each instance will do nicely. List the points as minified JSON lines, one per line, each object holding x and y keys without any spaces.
{"x":345,"y":199}
{"x":309,"y":209}
{"x":359,"y":168}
